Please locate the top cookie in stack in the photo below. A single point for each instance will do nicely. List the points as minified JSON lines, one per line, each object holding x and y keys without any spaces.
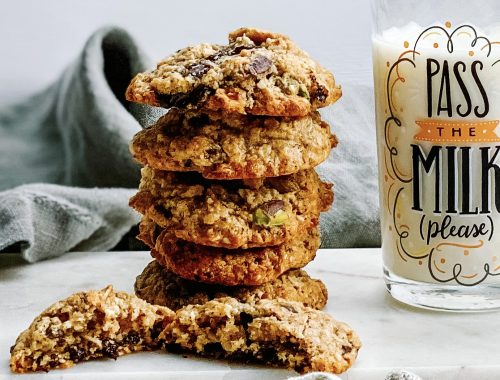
{"x":257,"y":73}
{"x":228,"y":192}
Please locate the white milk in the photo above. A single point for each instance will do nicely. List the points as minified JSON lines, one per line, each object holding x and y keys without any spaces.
{"x":446,"y":229}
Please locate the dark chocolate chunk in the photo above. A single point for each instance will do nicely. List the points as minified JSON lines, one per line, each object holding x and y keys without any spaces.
{"x":198,"y":69}
{"x":173,"y":348}
{"x":183,"y":100}
{"x":272,"y":207}
{"x":132,"y":338}
{"x":110,"y":349}
{"x":216,"y":56}
{"x":318,"y":92}
{"x":76,"y":353}
{"x":156,"y":330}
{"x":63,"y":317}
{"x":212,"y":348}
{"x":268,"y":354}
{"x":347,"y":349}
{"x":245,"y":319}
{"x":239,"y":48}
{"x":259,"y":65}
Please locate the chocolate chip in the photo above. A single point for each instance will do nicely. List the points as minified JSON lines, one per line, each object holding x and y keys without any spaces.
{"x":91,"y":324}
{"x":156,"y":330}
{"x":318,"y":92}
{"x":76,"y":353}
{"x":63,"y":317}
{"x":99,"y":316}
{"x":132,"y":338}
{"x":198,"y":69}
{"x":272,"y":207}
{"x":245,"y":319}
{"x":228,"y":51}
{"x":239,"y":48}
{"x":347,"y":349}
{"x":110,"y":349}
{"x":269,"y":354}
{"x":183,"y":100}
{"x":188,"y":163}
{"x":259,"y":65}
{"x":212,"y":348}
{"x":216,"y":56}
{"x":173,"y":348}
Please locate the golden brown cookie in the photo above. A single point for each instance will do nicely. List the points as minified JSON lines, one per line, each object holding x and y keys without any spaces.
{"x":233,"y":147}
{"x":160,"y":286}
{"x":232,"y":267}
{"x":85,"y":326}
{"x":276,"y":332}
{"x":232,"y":214}
{"x":258,"y":73}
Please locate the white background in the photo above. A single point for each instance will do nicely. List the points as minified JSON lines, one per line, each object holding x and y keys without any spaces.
{"x":38,"y":38}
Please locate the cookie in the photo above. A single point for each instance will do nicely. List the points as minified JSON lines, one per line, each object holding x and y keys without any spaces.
{"x":276,"y":332}
{"x":257,"y":73}
{"x":159,"y":286}
{"x":88,"y":325}
{"x":232,"y":267}
{"x":233,"y":147}
{"x":232,"y":214}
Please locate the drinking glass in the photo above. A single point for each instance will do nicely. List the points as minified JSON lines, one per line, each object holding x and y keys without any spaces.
{"x":436,"y":71}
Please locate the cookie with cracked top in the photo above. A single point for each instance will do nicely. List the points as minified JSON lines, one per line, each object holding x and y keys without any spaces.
{"x":233,"y":147}
{"x":160,"y":286}
{"x":231,"y":267}
{"x":232,"y":214}
{"x":257,"y":73}
{"x":276,"y":332}
{"x":88,"y":325}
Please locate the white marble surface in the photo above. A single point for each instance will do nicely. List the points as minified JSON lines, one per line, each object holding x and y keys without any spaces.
{"x":434,"y":345}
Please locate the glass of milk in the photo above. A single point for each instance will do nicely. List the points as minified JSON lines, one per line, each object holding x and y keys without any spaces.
{"x":437,"y":96}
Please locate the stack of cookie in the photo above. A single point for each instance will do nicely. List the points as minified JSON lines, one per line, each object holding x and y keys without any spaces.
{"x":229,"y":196}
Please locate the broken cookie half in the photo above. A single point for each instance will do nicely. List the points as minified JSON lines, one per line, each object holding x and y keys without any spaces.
{"x":276,"y":332}
{"x":88,"y":325}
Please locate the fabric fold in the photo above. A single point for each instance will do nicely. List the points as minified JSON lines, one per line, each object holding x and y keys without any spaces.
{"x":74,"y":136}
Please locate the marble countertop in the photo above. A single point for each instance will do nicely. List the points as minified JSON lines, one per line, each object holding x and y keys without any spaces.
{"x":432,"y":344}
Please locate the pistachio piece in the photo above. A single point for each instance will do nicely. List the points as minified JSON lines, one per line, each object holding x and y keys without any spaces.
{"x":271,"y":214}
{"x":303,"y":92}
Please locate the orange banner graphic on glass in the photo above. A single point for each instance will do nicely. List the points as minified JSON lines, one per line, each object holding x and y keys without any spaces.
{"x":457,"y":131}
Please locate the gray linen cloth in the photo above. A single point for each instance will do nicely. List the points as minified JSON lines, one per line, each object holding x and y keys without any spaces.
{"x":75,"y":136}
